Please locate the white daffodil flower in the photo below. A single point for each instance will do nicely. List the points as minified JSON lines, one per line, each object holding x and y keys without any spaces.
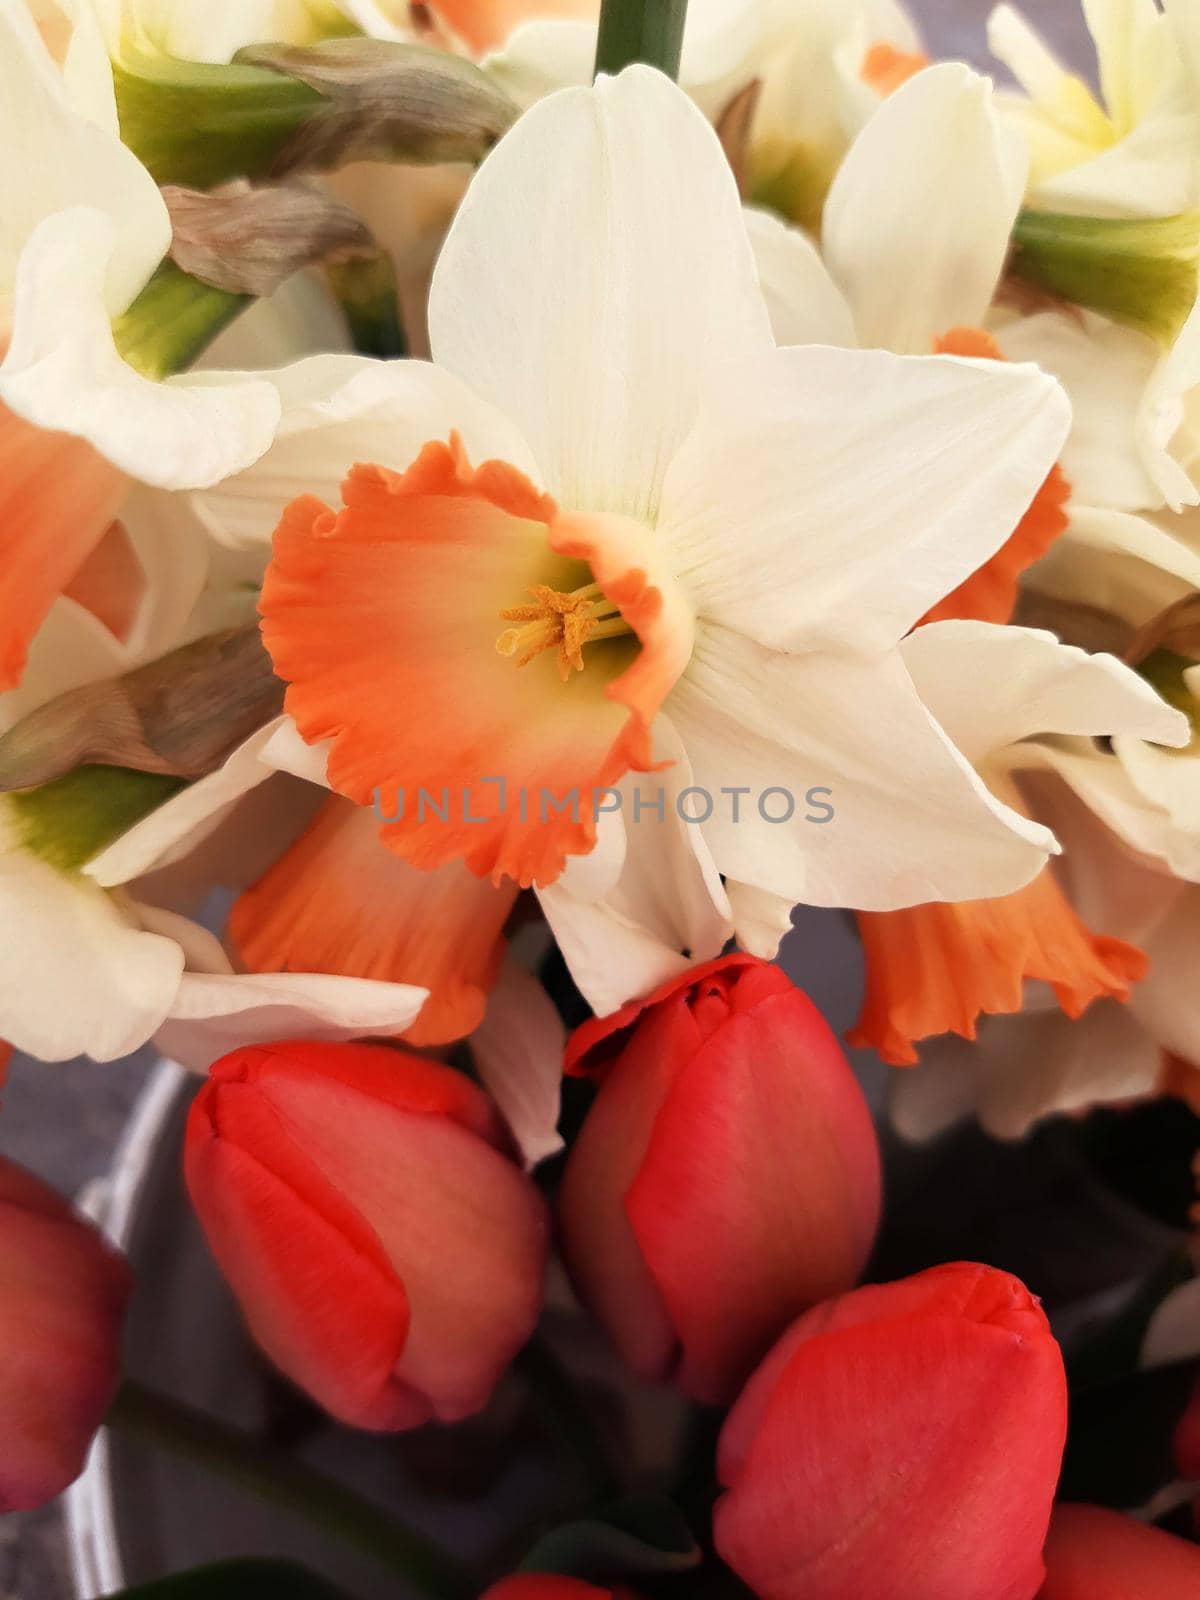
{"x":1135,"y":445}
{"x":82,"y":230}
{"x":1007,"y":697}
{"x":613,"y":500}
{"x":1121,"y":879}
{"x":1134,"y":151}
{"x":898,"y":271}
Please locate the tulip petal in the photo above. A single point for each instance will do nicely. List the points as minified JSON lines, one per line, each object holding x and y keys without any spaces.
{"x":892,"y":232}
{"x":833,"y":496}
{"x":607,"y":1268}
{"x":950,"y":1375}
{"x":1096,"y":1554}
{"x":912,"y":820}
{"x":433,"y":1183}
{"x":311,"y":1273}
{"x":598,"y":269}
{"x":755,"y":1200}
{"x":62,"y":1296}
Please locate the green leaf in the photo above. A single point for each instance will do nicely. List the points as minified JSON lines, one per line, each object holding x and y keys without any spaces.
{"x":238,"y":1580}
{"x":633,"y":1539}
{"x":641,"y":30}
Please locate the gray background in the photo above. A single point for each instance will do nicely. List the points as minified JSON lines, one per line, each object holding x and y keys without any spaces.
{"x":63,"y":1121}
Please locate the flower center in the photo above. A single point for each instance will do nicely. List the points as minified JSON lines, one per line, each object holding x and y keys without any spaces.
{"x":562,"y":622}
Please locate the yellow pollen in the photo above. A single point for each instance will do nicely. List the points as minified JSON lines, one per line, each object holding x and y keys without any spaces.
{"x":565,"y":622}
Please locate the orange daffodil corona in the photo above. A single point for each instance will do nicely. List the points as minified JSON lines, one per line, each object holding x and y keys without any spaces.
{"x":608,"y":432}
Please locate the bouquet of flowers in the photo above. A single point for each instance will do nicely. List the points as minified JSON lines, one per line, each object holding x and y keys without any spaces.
{"x":501,"y":503}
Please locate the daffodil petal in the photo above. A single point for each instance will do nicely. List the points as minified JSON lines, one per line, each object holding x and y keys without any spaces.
{"x":590,"y":310}
{"x":833,"y":496}
{"x":63,"y":371}
{"x":911,"y":819}
{"x":991,"y":686}
{"x":895,"y":233}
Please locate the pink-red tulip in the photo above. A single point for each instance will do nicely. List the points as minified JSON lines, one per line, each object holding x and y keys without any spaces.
{"x":63,"y":1293}
{"x":545,"y":1586}
{"x":387,"y":1253}
{"x":1093,"y":1554}
{"x":901,"y":1443}
{"x":726,"y":1178}
{"x":1186,"y":1449}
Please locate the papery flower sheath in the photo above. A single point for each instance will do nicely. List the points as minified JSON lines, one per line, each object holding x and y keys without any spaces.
{"x":612,"y":501}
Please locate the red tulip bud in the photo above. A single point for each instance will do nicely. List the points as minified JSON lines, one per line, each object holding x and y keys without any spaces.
{"x":388,"y":1255}
{"x":1101,"y":1555}
{"x":62,"y":1301}
{"x":901,"y":1442}
{"x":1186,"y":1448}
{"x":726,"y":1178}
{"x":545,"y":1586}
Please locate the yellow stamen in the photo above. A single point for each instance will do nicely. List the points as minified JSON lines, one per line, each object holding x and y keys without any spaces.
{"x":563,"y":621}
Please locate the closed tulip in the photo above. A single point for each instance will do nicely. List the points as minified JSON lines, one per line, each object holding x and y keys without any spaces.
{"x":63,"y":1293}
{"x":726,"y":1178}
{"x":901,"y":1443}
{"x":387,"y":1253}
{"x":1093,"y":1554}
{"x":546,"y":1586}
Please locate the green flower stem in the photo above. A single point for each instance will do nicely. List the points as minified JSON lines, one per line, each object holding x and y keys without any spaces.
{"x":143,"y":1414}
{"x":566,"y":1416}
{"x":173,"y":321}
{"x":641,"y":30}
{"x":196,"y":124}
